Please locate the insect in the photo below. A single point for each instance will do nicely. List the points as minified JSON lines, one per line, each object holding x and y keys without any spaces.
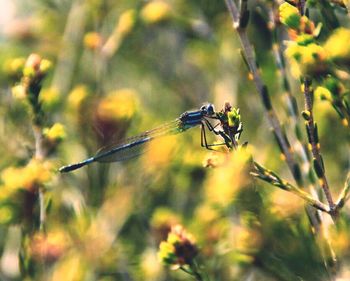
{"x":134,"y":146}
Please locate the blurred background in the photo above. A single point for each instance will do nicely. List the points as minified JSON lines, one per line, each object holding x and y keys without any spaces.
{"x":120,"y":68}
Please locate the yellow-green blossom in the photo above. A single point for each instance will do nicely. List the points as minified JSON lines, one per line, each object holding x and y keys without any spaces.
{"x":289,"y":15}
{"x":56,"y":133}
{"x":305,"y":39}
{"x":36,"y":66}
{"x":14,"y":67}
{"x":155,"y":11}
{"x":19,"y":92}
{"x":45,"y":66}
{"x":34,"y":70}
{"x":35,"y":173}
{"x":179,"y":249}
{"x":306,"y":60}
{"x":323,"y":93}
{"x":337,"y":46}
{"x":92,"y":40}
{"x":120,"y":104}
{"x":162,"y":221}
{"x":234,"y":117}
{"x":77,"y":96}
{"x":49,"y":97}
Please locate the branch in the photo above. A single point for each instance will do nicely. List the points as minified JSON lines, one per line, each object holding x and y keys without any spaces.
{"x":312,"y":133}
{"x":272,"y":178}
{"x":344,"y":195}
{"x":240,"y":20}
{"x":292,"y":106}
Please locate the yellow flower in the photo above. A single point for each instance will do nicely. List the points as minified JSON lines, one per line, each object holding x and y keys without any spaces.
{"x":179,"y":249}
{"x":45,"y":66}
{"x":126,"y":22}
{"x":224,"y":181}
{"x":14,"y":67}
{"x":10,"y":178}
{"x":233,"y":117}
{"x":164,"y":216}
{"x":35,"y":173}
{"x":337,"y":46}
{"x":36,"y":66}
{"x":92,"y":40}
{"x":55,"y":133}
{"x":77,"y":96}
{"x":306,"y":60}
{"x":162,"y":221}
{"x":32,"y":63}
{"x":19,"y":92}
{"x":323,"y":93}
{"x":49,"y":246}
{"x":39,"y":171}
{"x":155,"y":11}
{"x":49,"y":97}
{"x":289,"y":15}
{"x":120,"y":104}
{"x":304,"y":39}
{"x":306,"y":26}
{"x":166,"y":253}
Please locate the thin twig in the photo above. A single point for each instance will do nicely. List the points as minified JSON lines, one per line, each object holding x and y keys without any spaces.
{"x":292,"y":107}
{"x":344,"y":195}
{"x":67,"y":57}
{"x":38,"y":138}
{"x":312,"y":133}
{"x":42,"y":210}
{"x":263,"y":92}
{"x":272,"y":178}
{"x":40,"y":155}
{"x":311,"y":129}
{"x":299,"y":146}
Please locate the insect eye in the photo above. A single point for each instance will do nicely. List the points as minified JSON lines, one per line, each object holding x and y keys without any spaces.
{"x":210,"y":109}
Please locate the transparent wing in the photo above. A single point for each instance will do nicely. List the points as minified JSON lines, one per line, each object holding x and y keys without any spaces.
{"x":134,"y":146}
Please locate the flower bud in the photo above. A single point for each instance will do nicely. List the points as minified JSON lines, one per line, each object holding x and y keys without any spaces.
{"x":55,"y":134}
{"x":155,"y":11}
{"x":179,"y":249}
{"x":289,"y":15}
{"x":126,"y":22}
{"x":92,"y":40}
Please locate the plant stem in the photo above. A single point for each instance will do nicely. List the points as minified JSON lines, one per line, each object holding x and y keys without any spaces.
{"x":263,"y":92}
{"x":195,"y":271}
{"x":314,"y":144}
{"x":293,"y":110}
{"x":298,"y":144}
{"x":38,"y":137}
{"x":272,"y":178}
{"x":42,"y":210}
{"x":40,"y":155}
{"x":344,"y":195}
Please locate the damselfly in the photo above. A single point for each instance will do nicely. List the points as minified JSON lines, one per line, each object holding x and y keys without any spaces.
{"x":134,"y":146}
